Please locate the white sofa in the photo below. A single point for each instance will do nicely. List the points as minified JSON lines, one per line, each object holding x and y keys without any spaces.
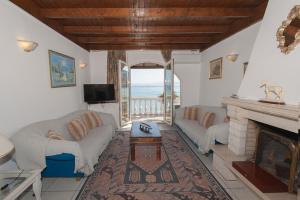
{"x":199,"y":135}
{"x":32,"y":144}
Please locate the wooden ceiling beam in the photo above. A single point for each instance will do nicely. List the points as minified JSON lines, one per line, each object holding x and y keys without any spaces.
{"x":137,"y":46}
{"x":146,"y":29}
{"x":152,"y":40}
{"x":144,"y":35}
{"x":147,"y":3}
{"x":65,"y":13}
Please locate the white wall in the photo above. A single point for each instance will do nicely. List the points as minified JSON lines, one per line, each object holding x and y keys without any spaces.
{"x":212,"y":91}
{"x":268,"y":63}
{"x":26,"y":93}
{"x":98,"y":75}
{"x":139,"y":56}
{"x":98,"y":67}
{"x":187,"y":68}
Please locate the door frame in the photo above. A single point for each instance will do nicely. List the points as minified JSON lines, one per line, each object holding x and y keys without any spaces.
{"x":170,"y":62}
{"x":129,"y":83}
{"x":129,"y":93}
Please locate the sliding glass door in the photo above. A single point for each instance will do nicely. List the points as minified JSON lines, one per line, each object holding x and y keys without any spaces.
{"x":124,"y":80}
{"x":168,"y":92}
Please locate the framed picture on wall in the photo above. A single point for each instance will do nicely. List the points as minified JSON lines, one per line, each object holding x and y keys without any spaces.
{"x":62,"y":70}
{"x":245,"y":65}
{"x":215,"y":68}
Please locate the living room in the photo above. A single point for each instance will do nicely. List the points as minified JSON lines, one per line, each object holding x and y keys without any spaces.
{"x":238,"y":86}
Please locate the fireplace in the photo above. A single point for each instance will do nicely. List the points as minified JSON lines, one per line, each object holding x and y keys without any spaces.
{"x":275,"y":166}
{"x":267,"y":136}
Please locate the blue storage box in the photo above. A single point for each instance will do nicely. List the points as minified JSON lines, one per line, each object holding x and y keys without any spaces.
{"x":60,"y":165}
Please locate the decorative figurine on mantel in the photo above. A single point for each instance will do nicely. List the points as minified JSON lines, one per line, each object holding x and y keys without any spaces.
{"x":277,"y":91}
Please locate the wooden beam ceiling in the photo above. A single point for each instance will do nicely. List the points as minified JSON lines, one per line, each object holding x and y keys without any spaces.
{"x":146,"y":24}
{"x":146,"y":29}
{"x":145,"y":39}
{"x":146,"y":46}
{"x":64,"y":13}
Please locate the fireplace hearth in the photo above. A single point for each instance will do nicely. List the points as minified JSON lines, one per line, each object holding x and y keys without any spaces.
{"x":276,"y":166}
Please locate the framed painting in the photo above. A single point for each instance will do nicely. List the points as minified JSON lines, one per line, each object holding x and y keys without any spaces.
{"x":215,"y":68}
{"x":62,"y":70}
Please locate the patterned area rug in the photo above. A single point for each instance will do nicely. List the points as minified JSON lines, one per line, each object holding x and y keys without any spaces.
{"x":178,"y":175}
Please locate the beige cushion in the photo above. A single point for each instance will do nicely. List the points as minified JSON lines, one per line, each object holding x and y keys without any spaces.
{"x":77,"y":129}
{"x":207,"y":119}
{"x":191,"y":113}
{"x":52,"y":134}
{"x":92,"y":120}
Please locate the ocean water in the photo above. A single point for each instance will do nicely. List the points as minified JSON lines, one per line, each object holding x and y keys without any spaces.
{"x":151,"y":90}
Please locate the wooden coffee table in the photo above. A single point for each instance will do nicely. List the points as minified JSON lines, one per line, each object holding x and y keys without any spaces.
{"x":138,"y":137}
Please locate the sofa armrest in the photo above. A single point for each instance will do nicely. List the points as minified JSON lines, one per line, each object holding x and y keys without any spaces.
{"x":55,"y":147}
{"x":179,"y":113}
{"x":220,"y":132}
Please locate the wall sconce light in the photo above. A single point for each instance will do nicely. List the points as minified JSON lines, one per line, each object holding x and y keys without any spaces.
{"x":82,"y":65}
{"x":27,"y":46}
{"x":232,"y":57}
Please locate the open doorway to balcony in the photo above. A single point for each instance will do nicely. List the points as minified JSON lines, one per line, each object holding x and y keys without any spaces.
{"x":147,"y":85}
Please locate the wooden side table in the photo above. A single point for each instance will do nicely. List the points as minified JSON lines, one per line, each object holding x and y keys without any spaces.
{"x":26,"y":179}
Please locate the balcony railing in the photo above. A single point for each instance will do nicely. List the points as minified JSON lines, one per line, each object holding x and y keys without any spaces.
{"x":146,"y":107}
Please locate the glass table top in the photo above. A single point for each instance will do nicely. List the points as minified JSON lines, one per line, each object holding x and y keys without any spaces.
{"x":14,"y":179}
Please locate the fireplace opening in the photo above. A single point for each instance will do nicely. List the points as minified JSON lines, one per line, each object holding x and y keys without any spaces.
{"x":276,"y":165}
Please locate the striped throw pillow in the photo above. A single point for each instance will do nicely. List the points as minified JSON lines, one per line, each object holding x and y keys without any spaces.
{"x":92,"y":120}
{"x":191,"y":113}
{"x":77,"y":129}
{"x":207,"y":119}
{"x":52,"y":134}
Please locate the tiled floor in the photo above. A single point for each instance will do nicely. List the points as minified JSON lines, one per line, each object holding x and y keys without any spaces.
{"x":236,"y":189}
{"x":57,"y":189}
{"x":68,"y":188}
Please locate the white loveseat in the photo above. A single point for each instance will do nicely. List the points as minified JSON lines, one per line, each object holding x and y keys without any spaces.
{"x":199,"y":135}
{"x":32,"y":144}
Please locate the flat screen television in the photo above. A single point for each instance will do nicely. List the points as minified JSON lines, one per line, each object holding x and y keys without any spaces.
{"x":99,"y":93}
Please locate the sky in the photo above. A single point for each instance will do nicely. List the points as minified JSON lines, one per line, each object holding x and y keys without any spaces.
{"x":147,"y":76}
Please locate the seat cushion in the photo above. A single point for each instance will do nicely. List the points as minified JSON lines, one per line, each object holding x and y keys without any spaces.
{"x":192,"y":128}
{"x":94,"y":143}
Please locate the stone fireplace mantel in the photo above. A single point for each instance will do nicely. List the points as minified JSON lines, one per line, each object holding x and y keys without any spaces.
{"x":282,"y":116}
{"x":243,"y":117}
